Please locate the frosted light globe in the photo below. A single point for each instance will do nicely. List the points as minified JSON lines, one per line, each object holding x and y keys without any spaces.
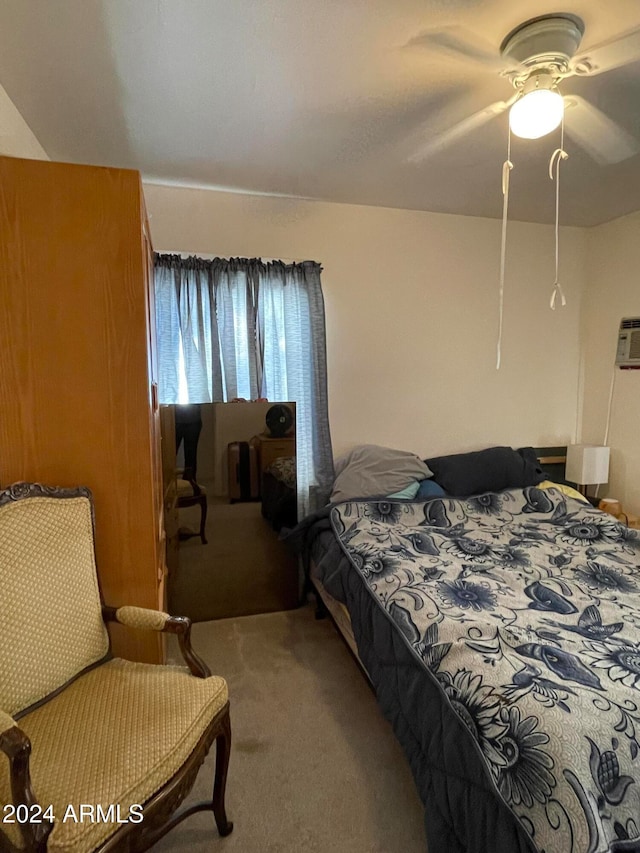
{"x":536,"y":113}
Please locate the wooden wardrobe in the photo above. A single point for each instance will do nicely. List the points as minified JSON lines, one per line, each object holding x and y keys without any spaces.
{"x":78,"y":393}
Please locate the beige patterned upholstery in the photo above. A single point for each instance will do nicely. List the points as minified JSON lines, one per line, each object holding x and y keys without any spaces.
{"x":142,"y":617}
{"x":6,"y":722}
{"x":51,"y":626}
{"x":185,"y":488}
{"x":115,"y":735}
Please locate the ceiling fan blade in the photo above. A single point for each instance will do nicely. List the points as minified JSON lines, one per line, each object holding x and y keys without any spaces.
{"x":608,"y":55}
{"x":460,"y":44}
{"x":599,"y":135}
{"x":459,"y":130}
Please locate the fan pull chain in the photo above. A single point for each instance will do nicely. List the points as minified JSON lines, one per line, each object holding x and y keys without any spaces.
{"x":558,"y":155}
{"x":507,"y":166}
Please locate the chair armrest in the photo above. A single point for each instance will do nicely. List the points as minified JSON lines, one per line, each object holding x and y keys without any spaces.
{"x":156,"y":620}
{"x":138,"y":617}
{"x":17,"y":747}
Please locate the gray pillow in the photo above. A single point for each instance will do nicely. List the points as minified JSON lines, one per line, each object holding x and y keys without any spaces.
{"x":371,"y":471}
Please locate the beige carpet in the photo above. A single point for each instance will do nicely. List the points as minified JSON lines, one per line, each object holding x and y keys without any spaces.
{"x":314,"y":766}
{"x":244,"y":568}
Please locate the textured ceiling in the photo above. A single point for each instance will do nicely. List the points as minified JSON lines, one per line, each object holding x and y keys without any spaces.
{"x":314,"y":99}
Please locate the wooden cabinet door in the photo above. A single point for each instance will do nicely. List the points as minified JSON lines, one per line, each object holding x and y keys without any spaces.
{"x":78,"y":355}
{"x":154,"y":407}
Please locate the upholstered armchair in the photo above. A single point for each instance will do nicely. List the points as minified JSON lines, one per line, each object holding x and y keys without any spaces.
{"x":98,"y":751}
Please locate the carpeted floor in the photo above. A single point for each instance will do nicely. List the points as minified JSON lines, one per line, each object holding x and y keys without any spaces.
{"x":314,"y":766}
{"x":244,"y":568}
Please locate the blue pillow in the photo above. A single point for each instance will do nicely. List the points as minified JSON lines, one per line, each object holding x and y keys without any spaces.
{"x":407,"y":494}
{"x":429,"y":489}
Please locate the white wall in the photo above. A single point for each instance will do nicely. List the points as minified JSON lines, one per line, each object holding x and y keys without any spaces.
{"x":412,"y":308}
{"x":16,"y":137}
{"x":411,"y":301}
{"x":613,"y":292}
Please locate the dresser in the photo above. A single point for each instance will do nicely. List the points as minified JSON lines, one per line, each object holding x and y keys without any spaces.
{"x":78,"y":392}
{"x":269,"y":449}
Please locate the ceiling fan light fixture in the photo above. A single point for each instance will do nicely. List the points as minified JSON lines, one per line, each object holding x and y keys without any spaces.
{"x":539,"y":110}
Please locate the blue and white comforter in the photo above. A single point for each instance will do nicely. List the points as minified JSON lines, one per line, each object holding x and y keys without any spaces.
{"x":524,"y":608}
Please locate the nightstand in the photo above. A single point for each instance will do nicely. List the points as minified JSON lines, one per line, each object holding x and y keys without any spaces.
{"x":269,"y":449}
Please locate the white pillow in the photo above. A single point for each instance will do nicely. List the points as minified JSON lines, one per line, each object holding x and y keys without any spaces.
{"x":372,"y":471}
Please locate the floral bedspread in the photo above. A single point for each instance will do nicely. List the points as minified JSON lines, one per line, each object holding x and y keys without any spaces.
{"x":284,"y":468}
{"x":525,"y":608}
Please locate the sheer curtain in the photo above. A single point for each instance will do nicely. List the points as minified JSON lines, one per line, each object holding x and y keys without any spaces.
{"x":248,"y":328}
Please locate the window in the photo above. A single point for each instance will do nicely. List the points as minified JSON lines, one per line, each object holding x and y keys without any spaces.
{"x":246,"y":328}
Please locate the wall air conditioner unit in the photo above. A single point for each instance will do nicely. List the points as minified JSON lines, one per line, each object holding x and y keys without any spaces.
{"x":628,"y":352}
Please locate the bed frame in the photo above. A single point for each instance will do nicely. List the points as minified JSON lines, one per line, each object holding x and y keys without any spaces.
{"x":326,"y":604}
{"x":554,"y":460}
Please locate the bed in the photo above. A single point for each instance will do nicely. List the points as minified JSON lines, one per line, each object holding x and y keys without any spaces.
{"x":278,"y":493}
{"x":501,"y":633}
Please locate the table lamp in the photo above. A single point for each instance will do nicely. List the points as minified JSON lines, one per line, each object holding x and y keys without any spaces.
{"x":587,"y":465}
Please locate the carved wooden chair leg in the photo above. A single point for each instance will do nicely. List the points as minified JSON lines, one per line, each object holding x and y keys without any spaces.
{"x":223,"y":750}
{"x":203,"y":518}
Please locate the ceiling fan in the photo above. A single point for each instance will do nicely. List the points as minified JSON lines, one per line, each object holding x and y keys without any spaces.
{"x":536,"y":57}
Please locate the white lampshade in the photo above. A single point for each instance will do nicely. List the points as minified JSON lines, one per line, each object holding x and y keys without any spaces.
{"x":536,"y":113}
{"x":587,"y":464}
